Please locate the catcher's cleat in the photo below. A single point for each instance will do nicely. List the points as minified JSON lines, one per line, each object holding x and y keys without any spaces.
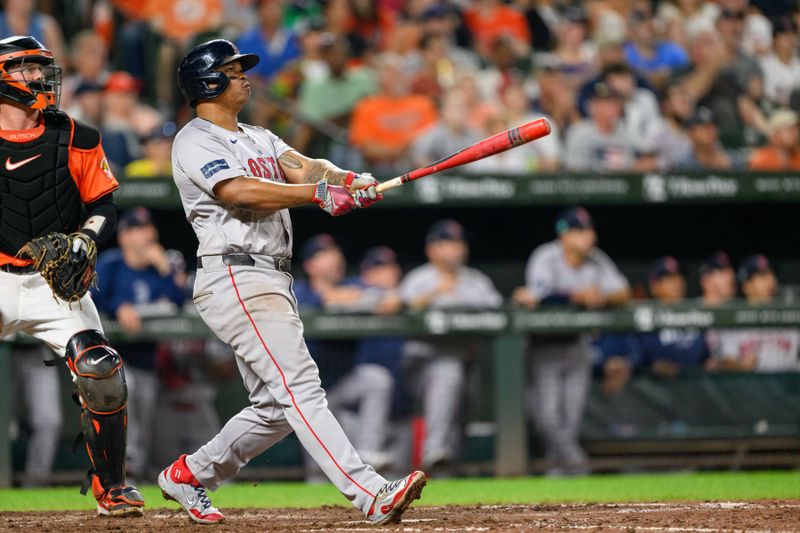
{"x":395,"y":497}
{"x":121,"y":502}
{"x":178,"y":484}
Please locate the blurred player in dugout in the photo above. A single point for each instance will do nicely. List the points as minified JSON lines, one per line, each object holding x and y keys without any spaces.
{"x":568,"y":270}
{"x":758,"y":349}
{"x":434,"y":368}
{"x":54,"y":170}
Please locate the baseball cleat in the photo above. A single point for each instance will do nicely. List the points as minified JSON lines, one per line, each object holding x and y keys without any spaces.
{"x":395,"y":497}
{"x":119,"y":502}
{"x":178,"y":484}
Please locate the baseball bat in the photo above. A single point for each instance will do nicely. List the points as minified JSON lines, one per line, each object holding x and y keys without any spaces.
{"x":495,"y":144}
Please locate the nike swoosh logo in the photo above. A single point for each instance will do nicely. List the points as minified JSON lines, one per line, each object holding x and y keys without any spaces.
{"x":233,"y":141}
{"x":14,"y":166}
{"x":95,"y":361}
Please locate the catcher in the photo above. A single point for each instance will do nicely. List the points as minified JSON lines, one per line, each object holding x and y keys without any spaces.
{"x":51,"y":167}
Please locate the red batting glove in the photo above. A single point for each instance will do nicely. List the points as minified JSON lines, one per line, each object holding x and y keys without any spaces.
{"x":366,"y":197}
{"x":333,"y":199}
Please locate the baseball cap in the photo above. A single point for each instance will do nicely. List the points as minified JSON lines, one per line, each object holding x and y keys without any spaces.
{"x":166,"y":130}
{"x":133,"y":218}
{"x":663,"y":266}
{"x":702,"y":115}
{"x":752,"y":265}
{"x":573,"y":14}
{"x":445,"y":230}
{"x":603,"y":91}
{"x":377,"y":256}
{"x":732,"y":14}
{"x":122,"y":82}
{"x":573,"y":218}
{"x":783,"y":25}
{"x":87,"y":86}
{"x":315,"y":244}
{"x":716,"y":261}
{"x":436,"y":11}
{"x":781,"y":118}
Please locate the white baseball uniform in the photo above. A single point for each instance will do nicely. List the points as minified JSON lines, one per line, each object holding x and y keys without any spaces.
{"x":253,"y":309}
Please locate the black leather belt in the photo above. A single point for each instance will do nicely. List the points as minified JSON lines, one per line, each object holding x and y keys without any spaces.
{"x":282,"y":264}
{"x":12,"y":269}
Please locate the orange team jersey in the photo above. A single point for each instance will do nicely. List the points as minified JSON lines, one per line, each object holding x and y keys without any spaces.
{"x":391,"y":122}
{"x":89,"y":170}
{"x":502,"y":20}
{"x":770,"y":158}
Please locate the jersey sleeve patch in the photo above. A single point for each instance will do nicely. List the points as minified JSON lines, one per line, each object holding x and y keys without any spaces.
{"x":106,"y":169}
{"x":211,"y":168}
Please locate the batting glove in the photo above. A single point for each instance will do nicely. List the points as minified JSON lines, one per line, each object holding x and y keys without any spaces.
{"x":355,"y":181}
{"x":332,"y":199}
{"x":358,"y":183}
{"x":338,"y":201}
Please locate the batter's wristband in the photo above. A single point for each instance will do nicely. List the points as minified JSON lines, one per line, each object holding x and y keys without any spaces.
{"x":349,"y":178}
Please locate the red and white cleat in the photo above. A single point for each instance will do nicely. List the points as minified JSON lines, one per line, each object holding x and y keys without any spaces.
{"x":395,"y":497}
{"x":177,"y":483}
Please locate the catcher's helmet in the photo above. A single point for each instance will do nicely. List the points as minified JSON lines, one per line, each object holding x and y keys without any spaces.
{"x":197,"y":74}
{"x":17,"y":53}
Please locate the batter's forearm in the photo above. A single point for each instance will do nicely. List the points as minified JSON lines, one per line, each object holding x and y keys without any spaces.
{"x":300,"y":169}
{"x":256,"y":195}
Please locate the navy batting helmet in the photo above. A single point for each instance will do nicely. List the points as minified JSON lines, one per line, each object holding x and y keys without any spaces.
{"x":27,"y":55}
{"x":197,"y":75}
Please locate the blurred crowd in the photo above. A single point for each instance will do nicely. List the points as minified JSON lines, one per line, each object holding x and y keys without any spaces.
{"x":629,"y":85}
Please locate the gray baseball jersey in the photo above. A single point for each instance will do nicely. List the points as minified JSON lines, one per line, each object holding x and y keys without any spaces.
{"x":549,"y":274}
{"x":205,"y":154}
{"x":776,"y":349}
{"x":253,"y":309}
{"x":473,"y":288}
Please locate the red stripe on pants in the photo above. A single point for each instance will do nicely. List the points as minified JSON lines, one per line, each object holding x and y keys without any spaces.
{"x":286,"y":386}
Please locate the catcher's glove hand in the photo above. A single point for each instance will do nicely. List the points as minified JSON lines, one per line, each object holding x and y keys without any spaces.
{"x":66,"y":262}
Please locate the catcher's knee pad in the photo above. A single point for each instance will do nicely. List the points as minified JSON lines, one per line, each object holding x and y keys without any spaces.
{"x":98,"y":373}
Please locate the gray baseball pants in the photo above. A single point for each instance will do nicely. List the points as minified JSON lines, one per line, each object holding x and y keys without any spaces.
{"x":435,"y":373}
{"x":254,"y":310}
{"x":561,"y":374}
{"x":41,"y":393}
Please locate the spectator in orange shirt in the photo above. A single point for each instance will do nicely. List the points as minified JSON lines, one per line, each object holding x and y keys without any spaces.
{"x":385,"y":124}
{"x":782,"y":152}
{"x":489,"y":19}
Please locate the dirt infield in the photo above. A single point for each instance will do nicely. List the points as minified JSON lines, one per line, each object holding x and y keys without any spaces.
{"x":713,"y":517}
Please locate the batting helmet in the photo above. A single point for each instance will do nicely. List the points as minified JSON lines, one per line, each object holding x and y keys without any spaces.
{"x":197,"y":74}
{"x":17,"y":53}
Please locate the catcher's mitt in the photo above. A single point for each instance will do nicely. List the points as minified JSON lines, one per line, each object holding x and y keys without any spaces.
{"x":66,"y":262}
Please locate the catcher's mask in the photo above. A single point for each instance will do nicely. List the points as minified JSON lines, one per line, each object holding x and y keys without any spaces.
{"x":28,"y":74}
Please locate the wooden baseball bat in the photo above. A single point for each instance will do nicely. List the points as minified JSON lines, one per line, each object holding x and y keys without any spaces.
{"x":495,"y":144}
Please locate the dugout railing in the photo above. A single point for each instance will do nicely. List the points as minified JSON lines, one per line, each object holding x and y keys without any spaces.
{"x":742,"y":425}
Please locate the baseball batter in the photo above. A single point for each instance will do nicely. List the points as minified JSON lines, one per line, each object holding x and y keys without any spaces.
{"x":54,"y":167}
{"x":236,"y":182}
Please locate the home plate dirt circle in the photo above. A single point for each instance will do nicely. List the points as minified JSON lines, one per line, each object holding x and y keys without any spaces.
{"x":710,"y":517}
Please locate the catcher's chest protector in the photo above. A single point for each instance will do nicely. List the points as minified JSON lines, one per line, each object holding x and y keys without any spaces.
{"x":37,"y":192}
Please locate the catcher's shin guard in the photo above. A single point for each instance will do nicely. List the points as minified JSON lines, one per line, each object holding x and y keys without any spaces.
{"x":100,"y":385}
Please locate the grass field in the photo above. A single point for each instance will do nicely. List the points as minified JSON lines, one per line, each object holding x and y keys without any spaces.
{"x":715,"y":486}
